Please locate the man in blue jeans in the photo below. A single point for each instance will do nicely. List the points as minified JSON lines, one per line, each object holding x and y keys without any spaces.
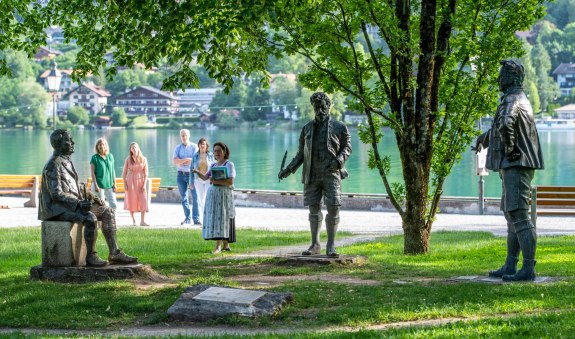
{"x":182,"y":158}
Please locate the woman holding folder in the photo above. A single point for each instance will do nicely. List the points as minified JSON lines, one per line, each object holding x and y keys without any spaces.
{"x":219,"y":213}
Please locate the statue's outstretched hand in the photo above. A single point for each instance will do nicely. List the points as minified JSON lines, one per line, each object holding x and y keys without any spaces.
{"x":284,"y":174}
{"x":478,"y":147}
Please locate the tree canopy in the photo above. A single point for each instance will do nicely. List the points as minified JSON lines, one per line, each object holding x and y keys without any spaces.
{"x":22,"y":28}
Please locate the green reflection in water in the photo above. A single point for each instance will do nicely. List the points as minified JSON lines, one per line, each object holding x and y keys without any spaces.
{"x":257,"y":155}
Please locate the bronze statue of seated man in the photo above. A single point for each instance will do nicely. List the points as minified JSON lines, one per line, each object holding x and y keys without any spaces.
{"x":61,"y":199}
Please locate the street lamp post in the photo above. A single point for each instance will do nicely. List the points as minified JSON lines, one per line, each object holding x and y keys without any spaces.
{"x":54,"y":78}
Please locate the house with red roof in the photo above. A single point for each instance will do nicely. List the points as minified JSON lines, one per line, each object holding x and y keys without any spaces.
{"x":89,"y":96}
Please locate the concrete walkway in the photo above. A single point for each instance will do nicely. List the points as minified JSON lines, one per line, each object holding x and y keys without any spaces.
{"x":165,"y":215}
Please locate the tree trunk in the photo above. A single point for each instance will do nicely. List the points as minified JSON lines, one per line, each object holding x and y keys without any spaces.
{"x":416,"y":168}
{"x":415,"y":234}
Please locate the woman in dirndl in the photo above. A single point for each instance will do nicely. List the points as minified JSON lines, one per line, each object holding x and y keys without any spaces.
{"x":219,"y":211}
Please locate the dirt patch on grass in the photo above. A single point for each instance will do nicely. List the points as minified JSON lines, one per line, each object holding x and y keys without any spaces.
{"x":154,"y":280}
{"x":272,"y":281}
{"x":143,"y":285}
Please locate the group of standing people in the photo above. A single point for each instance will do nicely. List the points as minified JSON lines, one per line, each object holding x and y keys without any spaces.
{"x":212,"y":198}
{"x":135,"y":175}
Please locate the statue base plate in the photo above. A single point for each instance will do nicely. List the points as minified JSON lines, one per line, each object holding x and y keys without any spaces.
{"x":491,"y":280}
{"x":294,"y":259}
{"x":83,"y":274}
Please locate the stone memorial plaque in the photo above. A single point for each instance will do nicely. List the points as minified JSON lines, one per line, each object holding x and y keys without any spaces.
{"x":203,"y":302}
{"x":229,"y":295}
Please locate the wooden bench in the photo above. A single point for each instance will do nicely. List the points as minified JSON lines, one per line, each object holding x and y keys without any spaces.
{"x":553,"y":200}
{"x":21,"y":184}
{"x":152,"y":187}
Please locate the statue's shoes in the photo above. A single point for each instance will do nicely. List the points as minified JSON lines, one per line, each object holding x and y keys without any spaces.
{"x":312,"y":250}
{"x":93,"y":260}
{"x":331,"y":252}
{"x":521,"y":275}
{"x":120,"y":257}
{"x":501,"y":272}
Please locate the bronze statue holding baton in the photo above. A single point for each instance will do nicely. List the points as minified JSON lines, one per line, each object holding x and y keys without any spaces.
{"x":324,"y":146}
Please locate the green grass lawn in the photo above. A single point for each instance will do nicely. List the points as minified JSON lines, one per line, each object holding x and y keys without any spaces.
{"x":401,"y":288}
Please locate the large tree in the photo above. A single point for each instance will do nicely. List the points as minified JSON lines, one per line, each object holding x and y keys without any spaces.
{"x":425,"y":68}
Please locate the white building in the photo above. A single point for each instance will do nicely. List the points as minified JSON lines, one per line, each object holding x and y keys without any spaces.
{"x":566,"y":112}
{"x":89,"y":96}
{"x":193,"y":101}
{"x":565,"y":77}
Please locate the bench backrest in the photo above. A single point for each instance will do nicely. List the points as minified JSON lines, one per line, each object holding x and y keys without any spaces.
{"x":555,"y":195}
{"x":18,"y":180}
{"x":558,"y":200}
{"x":120,"y":184}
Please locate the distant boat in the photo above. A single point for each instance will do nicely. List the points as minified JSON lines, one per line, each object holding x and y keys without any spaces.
{"x":555,"y":124}
{"x":211,"y":127}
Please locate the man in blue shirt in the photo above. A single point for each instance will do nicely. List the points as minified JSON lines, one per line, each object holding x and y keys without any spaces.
{"x":182,"y":158}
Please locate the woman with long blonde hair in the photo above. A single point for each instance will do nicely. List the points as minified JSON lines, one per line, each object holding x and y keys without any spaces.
{"x":135,"y":175}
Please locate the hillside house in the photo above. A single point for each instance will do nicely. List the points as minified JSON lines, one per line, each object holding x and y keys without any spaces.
{"x":89,"y":96}
{"x":146,"y":100}
{"x":564,"y":75}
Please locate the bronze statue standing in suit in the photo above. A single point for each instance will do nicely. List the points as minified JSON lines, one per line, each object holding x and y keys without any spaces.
{"x":514,"y":152}
{"x":62,"y":200}
{"x":324,"y":146}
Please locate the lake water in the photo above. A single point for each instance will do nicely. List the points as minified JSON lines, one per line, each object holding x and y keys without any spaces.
{"x":257,"y":155}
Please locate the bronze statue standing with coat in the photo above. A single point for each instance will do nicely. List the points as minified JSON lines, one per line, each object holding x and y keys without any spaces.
{"x":514,"y":151}
{"x":324,"y":146}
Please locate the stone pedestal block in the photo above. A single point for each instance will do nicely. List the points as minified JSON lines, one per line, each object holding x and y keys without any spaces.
{"x":63,"y":244}
{"x":79,"y":275}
